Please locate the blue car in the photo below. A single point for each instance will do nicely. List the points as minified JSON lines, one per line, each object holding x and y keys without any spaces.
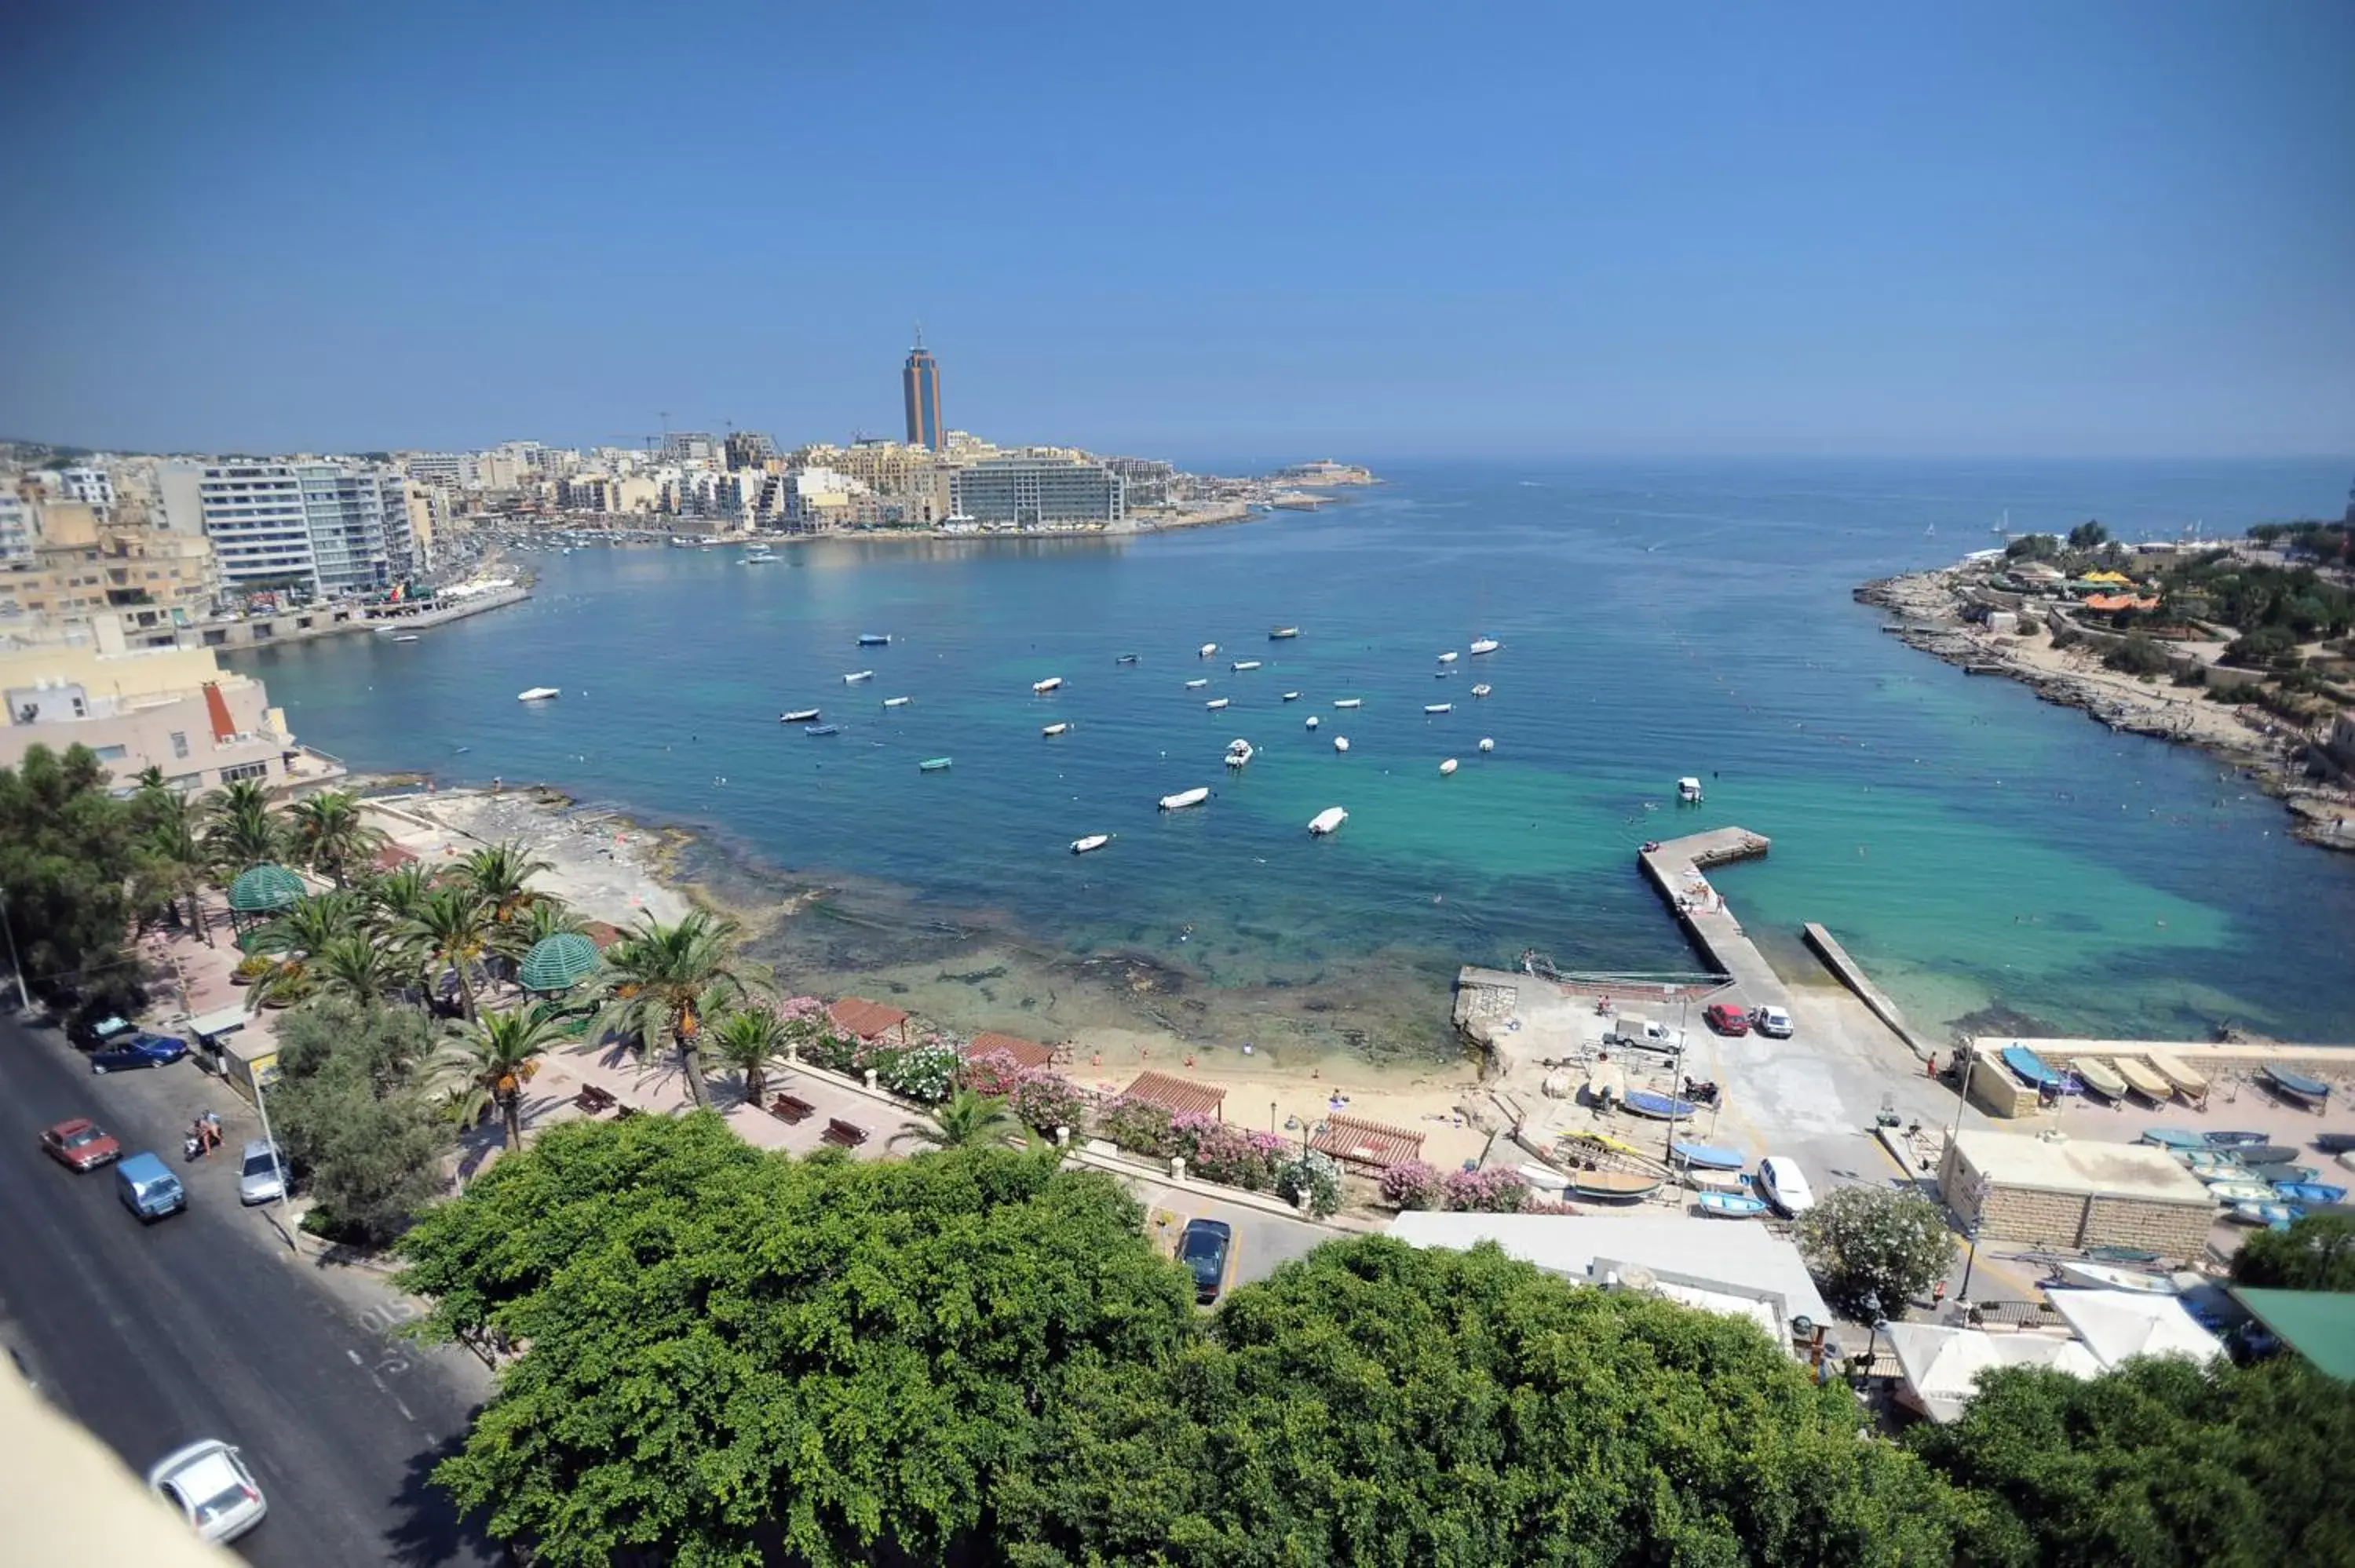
{"x":1203,"y":1250}
{"x":142,"y":1050}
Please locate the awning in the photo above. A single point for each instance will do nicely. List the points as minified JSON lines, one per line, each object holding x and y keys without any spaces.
{"x":1357,"y":1141}
{"x":1177,"y":1096}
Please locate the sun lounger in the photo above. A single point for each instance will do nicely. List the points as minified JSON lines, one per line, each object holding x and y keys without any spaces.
{"x":843,"y":1134}
{"x":790,"y":1110}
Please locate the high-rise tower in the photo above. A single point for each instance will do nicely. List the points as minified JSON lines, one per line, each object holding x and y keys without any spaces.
{"x":919,"y":385}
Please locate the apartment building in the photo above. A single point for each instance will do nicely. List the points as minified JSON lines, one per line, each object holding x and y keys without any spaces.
{"x":174,"y":709}
{"x":1036,"y":492}
{"x":72,"y":563}
{"x":326,"y":526}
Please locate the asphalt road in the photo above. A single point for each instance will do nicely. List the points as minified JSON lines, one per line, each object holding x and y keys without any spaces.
{"x":207,"y":1325}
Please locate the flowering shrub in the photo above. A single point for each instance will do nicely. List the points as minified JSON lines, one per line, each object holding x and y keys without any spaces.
{"x":1314,"y":1175}
{"x":994,"y":1075}
{"x":925,"y":1070}
{"x":1491,"y":1191}
{"x":1046,"y":1100}
{"x":1411,"y":1184}
{"x":837,"y":1053}
{"x":1139,"y":1126}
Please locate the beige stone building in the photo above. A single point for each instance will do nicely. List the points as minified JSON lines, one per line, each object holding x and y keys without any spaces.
{"x":79,"y":566}
{"x":2075,"y":1194}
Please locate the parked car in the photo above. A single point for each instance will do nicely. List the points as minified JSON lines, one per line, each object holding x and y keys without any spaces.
{"x":147,"y":1187}
{"x":90,"y":1033}
{"x":79,"y":1144}
{"x":261,"y":1172}
{"x":1726,"y":1018}
{"x":1771,"y":1021}
{"x":1203,"y":1248}
{"x":141,"y":1050}
{"x":209,"y":1484}
{"x":1785,"y":1186}
{"x":1634,"y":1030}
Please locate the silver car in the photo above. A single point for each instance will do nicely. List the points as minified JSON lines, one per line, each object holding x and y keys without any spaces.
{"x":213,"y":1491}
{"x":262,"y":1173}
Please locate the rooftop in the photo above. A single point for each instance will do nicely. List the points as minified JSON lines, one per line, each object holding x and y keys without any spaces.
{"x":2081,"y":1167}
{"x":2317,"y":1324}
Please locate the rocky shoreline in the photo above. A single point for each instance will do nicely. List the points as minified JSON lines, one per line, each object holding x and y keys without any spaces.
{"x":1928,"y":611}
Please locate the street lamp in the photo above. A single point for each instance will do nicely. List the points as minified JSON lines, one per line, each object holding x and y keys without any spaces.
{"x":15,"y":966}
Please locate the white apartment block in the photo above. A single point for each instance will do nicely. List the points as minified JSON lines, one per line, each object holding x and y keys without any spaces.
{"x":17,"y":532}
{"x":333,"y":526}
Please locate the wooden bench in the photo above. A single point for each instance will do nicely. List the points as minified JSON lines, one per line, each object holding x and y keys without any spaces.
{"x":593,"y":1100}
{"x":843,"y":1134}
{"x":790,"y":1110}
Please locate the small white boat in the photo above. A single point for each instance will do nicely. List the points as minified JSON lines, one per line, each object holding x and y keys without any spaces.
{"x":1292,"y":696}
{"x":857,"y":676}
{"x":1449,"y":657}
{"x":1340,"y":743}
{"x":1093,"y":840}
{"x":798,"y":715}
{"x":1242,"y":664}
{"x":1283,"y":633}
{"x":1055,"y":729}
{"x":1348,"y":702}
{"x":404,"y":636}
{"x":1482,"y":690}
{"x":896,"y":701}
{"x":1487,"y":744}
{"x":1439,"y":707}
{"x":1048,"y":684}
{"x":1240,"y":756}
{"x":1215,"y":703}
{"x":875,"y":640}
{"x":1209,"y":649}
{"x":1326,"y":821}
{"x":1485,"y":645}
{"x":1197,"y":683}
{"x":2109,"y":1276}
{"x":1183,"y":799}
{"x":1447,"y":768}
{"x":1688,"y":792}
{"x":538,"y":694}
{"x":1312,"y":721}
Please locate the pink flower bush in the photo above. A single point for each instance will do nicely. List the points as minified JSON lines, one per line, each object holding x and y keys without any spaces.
{"x":1489,"y":1191}
{"x":1411,"y":1184}
{"x":1138,"y":1125}
{"x":995,"y":1074}
{"x":1046,"y":1100}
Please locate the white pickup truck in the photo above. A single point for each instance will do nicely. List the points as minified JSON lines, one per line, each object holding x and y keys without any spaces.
{"x":1633,"y":1029}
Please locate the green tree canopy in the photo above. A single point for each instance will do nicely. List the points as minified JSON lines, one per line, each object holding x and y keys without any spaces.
{"x":67,"y":855}
{"x":2317,"y":1252}
{"x":1877,"y":1248}
{"x":345,"y":1106}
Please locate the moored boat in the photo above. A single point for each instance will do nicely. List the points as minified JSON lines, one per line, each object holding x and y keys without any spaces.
{"x":1312,"y":721}
{"x":1282,"y":633}
{"x":1730,"y":1206}
{"x":857,"y":676}
{"x":2261,"y":1153}
{"x":2309,"y":1192}
{"x":1349,"y":702}
{"x":1183,"y":799}
{"x":1292,"y":696}
{"x":935,"y":765}
{"x":1239,"y":753}
{"x":1439,"y":707}
{"x":1215,"y":703}
{"x":2230,"y":1139}
{"x":1241,"y":665}
{"x":1051,"y":684}
{"x":1207,"y":649}
{"x":798,"y":715}
{"x":1483,"y":689}
{"x":2143,"y":1081}
{"x":2280,"y":1171}
{"x":1340,"y":743}
{"x":1486,"y":645}
{"x":2173,"y":1137}
{"x":1487,"y":744}
{"x":1706,"y":1156}
{"x":1656,"y":1106}
{"x":1326,"y":821}
{"x":1542,"y":1177}
{"x":2276,"y":1215}
{"x":1688,"y":791}
{"x":2296,"y":1085}
{"x":1092,"y":841}
{"x":1125,"y":659}
{"x":895,"y":702}
{"x":821,"y":729}
{"x":2242,"y":1191}
{"x":1449,"y":657}
{"x":2099,"y":1077}
{"x":1447,"y":768}
{"x":538,"y":693}
{"x":875,"y":640}
{"x":1054,"y":729}
{"x":404,"y":636}
{"x":1196,"y":684}
{"x":2186,"y":1080}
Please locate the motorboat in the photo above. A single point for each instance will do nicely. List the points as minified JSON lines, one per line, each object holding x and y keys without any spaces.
{"x":1312,"y":721}
{"x":1688,"y":791}
{"x":1241,"y":665}
{"x":1125,"y":659}
{"x":1183,"y":799}
{"x":1613,"y":1186}
{"x":1706,"y":1156}
{"x":1240,"y":754}
{"x":2298,"y":1085}
{"x":2030,"y":1068}
{"x":896,"y":701}
{"x":798,"y":715}
{"x":1054,"y":729}
{"x":758,"y":556}
{"x":1207,"y":649}
{"x":1215,"y":703}
{"x":1094,"y":842}
{"x":1447,"y":768}
{"x":1656,"y":1106}
{"x":1282,"y":633}
{"x":821,"y":729}
{"x":1292,"y":696}
{"x":1449,"y":657}
{"x":857,"y":676}
{"x":1197,"y":683}
{"x":935,"y":765}
{"x":1730,"y":1206}
{"x":1443,"y":674}
{"x":1439,"y":707}
{"x":2173,"y":1137}
{"x":2309,"y":1192}
{"x":2110,"y":1276}
{"x":2143,"y":1081}
{"x":1326,"y":821}
{"x":875,"y":640}
{"x":539,"y":694}
{"x":2099,"y":1077}
{"x":1349,"y":702}
{"x":1487,"y":744}
{"x":1340,"y":743}
{"x":1048,"y":684}
{"x":1486,"y":645}
{"x":1483,"y":689}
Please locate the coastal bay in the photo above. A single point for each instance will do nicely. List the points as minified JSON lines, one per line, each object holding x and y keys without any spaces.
{"x":1982,"y":854}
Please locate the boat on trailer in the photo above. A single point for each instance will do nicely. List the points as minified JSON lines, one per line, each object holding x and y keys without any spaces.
{"x":2143,"y":1080}
{"x":1656,"y":1106}
{"x":2298,"y":1085}
{"x":2099,"y":1077}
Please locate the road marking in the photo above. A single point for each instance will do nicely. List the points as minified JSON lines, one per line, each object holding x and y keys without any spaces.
{"x":404,"y":1412}
{"x":356,"y":1357}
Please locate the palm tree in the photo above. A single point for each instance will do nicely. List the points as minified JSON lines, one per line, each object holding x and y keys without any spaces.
{"x":488,"y":1061}
{"x":453,"y":926}
{"x":660,"y":981}
{"x":967,"y":1121}
{"x":749,"y":1041}
{"x":241,"y":839}
{"x":398,"y":896}
{"x":356,"y":966}
{"x":328,"y":831}
{"x":498,"y":873}
{"x":310,"y":923}
{"x":547,"y":917}
{"x":172,"y":859}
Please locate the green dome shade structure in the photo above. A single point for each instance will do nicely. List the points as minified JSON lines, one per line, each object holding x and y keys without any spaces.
{"x":559,"y":962}
{"x":264,"y":890}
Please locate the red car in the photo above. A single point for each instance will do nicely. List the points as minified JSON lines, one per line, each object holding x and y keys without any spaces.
{"x":80,"y":1145}
{"x":1727,"y":1019}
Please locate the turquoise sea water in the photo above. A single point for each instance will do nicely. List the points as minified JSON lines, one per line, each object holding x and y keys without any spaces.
{"x":1972,"y":845}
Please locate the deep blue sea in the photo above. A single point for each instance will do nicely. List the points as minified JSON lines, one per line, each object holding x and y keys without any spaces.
{"x":1973,"y":846}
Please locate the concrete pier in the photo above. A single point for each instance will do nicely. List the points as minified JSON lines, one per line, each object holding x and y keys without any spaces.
{"x":1849,"y":973}
{"x":1676,"y":867}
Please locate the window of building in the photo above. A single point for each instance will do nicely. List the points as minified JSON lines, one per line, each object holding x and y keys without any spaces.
{"x":179,"y":743}
{"x":111,"y":753}
{"x":245,"y":770}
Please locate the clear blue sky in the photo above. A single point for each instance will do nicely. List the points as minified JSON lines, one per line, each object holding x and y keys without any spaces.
{"x":1368,"y":230}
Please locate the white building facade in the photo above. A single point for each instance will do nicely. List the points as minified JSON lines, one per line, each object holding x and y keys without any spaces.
{"x":329,"y":526}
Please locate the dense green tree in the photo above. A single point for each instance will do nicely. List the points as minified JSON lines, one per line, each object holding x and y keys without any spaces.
{"x":967,"y":1119}
{"x":662,"y":982}
{"x":347,"y":1107}
{"x":2316,"y":1253}
{"x":735,"y":1357}
{"x":2088,"y":535}
{"x":487,"y":1063}
{"x":1378,"y":1404}
{"x":1875,"y":1248}
{"x":331,"y":836}
{"x":2161,"y":1464}
{"x":751,"y":1040}
{"x":172,"y":863}
{"x":67,"y":857}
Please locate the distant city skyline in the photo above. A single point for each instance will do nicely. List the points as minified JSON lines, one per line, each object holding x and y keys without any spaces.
{"x":2085,"y":229}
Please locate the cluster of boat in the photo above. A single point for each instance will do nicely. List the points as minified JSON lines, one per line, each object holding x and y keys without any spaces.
{"x":2255,"y":1182}
{"x":2158,"y":1076}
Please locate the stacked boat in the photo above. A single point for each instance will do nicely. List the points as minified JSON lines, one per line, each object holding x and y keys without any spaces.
{"x":2256,"y":1181}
